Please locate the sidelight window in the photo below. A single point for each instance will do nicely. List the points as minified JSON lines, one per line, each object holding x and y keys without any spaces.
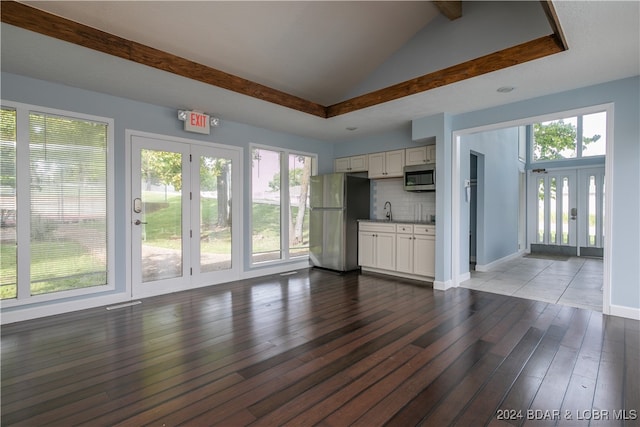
{"x":279,"y":204}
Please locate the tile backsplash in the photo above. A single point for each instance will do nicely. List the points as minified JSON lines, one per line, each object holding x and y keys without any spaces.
{"x":405,"y":205}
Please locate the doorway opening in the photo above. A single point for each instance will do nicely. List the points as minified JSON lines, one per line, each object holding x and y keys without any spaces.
{"x":563,"y":206}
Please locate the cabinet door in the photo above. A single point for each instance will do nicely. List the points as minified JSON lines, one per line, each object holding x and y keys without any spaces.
{"x":366,"y":249}
{"x":386,"y":251}
{"x":424,"y":255}
{"x":416,"y":156}
{"x":358,"y":163}
{"x":341,"y":165}
{"x":431,"y":153}
{"x":404,"y":253}
{"x":376,"y":165}
{"x":394,"y":164}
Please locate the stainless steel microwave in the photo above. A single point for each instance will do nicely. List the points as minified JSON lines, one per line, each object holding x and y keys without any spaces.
{"x":420,"y":177}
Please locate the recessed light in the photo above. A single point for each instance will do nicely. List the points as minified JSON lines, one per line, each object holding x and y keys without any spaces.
{"x":351,"y":128}
{"x":505,"y":89}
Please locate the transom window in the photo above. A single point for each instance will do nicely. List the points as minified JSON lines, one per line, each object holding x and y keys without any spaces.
{"x":568,"y":138}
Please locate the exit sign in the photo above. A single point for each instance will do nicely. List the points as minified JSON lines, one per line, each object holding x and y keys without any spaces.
{"x":197,"y":122}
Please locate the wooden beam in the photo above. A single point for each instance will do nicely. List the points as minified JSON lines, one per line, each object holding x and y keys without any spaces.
{"x":36,"y":20}
{"x":30,"y":18}
{"x":452,"y":9}
{"x":509,"y":57}
{"x":552,"y":16}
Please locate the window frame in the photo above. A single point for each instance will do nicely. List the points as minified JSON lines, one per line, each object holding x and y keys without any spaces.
{"x":284,"y":202}
{"x":578,"y":114}
{"x":23,"y":205}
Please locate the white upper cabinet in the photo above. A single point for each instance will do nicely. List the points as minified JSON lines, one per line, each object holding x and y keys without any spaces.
{"x":351,"y":164}
{"x":420,"y":155}
{"x":388,"y":164}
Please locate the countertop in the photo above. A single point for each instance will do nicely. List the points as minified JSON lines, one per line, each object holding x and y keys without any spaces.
{"x":397,"y":222}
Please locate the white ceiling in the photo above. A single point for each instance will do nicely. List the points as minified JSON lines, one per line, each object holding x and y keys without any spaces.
{"x":315,"y":50}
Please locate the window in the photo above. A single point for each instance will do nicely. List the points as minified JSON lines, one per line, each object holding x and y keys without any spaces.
{"x":63,"y":223}
{"x":279,"y":204}
{"x":8,"y":256}
{"x":558,"y":139}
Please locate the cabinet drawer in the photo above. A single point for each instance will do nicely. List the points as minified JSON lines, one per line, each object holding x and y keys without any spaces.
{"x":424,"y":229}
{"x":377,"y":227}
{"x":404,"y":228}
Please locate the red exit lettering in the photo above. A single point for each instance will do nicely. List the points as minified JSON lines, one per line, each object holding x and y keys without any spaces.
{"x":199,"y":120}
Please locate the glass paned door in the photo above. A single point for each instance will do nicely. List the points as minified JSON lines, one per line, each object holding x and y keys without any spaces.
{"x":160,"y":213}
{"x":554,"y":196}
{"x":213,"y":241}
{"x":182,"y":215}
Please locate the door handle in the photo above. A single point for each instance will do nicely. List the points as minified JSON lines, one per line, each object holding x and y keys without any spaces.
{"x":138,"y":222}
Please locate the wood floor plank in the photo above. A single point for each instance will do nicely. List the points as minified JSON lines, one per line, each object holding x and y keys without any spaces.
{"x":318,"y":348}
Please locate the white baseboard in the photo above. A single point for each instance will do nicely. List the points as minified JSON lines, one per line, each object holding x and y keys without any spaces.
{"x":621,"y":311}
{"x":275,"y":269}
{"x":442,"y":286}
{"x":487,"y":267}
{"x":27,"y":313}
{"x":22,"y":313}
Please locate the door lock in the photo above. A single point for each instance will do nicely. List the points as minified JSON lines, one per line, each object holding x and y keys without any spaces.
{"x":574,"y":213}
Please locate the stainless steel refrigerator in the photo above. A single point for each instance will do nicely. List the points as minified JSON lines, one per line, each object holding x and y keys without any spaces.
{"x":337,"y":201}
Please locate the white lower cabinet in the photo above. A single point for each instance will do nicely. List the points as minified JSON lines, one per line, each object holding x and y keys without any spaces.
{"x":377,"y":246}
{"x":407,"y":252}
{"x":424,"y":255}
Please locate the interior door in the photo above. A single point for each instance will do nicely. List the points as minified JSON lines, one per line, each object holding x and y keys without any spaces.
{"x":182,"y":228}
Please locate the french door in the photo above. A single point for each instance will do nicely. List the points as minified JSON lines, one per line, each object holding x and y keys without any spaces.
{"x":567,"y":211}
{"x":183,"y":231}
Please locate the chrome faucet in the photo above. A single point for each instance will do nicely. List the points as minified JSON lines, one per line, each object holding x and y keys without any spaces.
{"x":387,"y":213}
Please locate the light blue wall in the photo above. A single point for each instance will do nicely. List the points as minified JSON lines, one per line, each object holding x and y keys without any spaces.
{"x":623,"y":178}
{"x":498,"y":195}
{"x":128,"y":114}
{"x":393,"y":140}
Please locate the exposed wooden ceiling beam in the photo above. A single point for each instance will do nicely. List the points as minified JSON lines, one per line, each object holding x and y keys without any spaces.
{"x":519,"y":54}
{"x":452,"y":9}
{"x":36,"y":20}
{"x":42,"y":22}
{"x":552,"y":16}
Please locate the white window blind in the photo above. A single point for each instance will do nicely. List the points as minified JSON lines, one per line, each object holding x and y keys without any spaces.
{"x":8,"y":257}
{"x":68,"y":200}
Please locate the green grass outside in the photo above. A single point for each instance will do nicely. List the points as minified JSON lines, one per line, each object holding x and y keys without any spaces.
{"x":46,"y":258}
{"x":162,"y":230}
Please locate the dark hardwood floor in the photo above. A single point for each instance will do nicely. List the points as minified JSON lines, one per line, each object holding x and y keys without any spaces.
{"x":317,"y":348}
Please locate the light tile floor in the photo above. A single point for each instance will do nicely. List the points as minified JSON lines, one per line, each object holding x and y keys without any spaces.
{"x":576,"y":282}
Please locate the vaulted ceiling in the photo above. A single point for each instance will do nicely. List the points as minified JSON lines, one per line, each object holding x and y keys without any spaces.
{"x":318,"y":68}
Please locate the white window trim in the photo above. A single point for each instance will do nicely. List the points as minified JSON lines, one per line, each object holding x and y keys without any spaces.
{"x":23,"y":206}
{"x":284,"y":196}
